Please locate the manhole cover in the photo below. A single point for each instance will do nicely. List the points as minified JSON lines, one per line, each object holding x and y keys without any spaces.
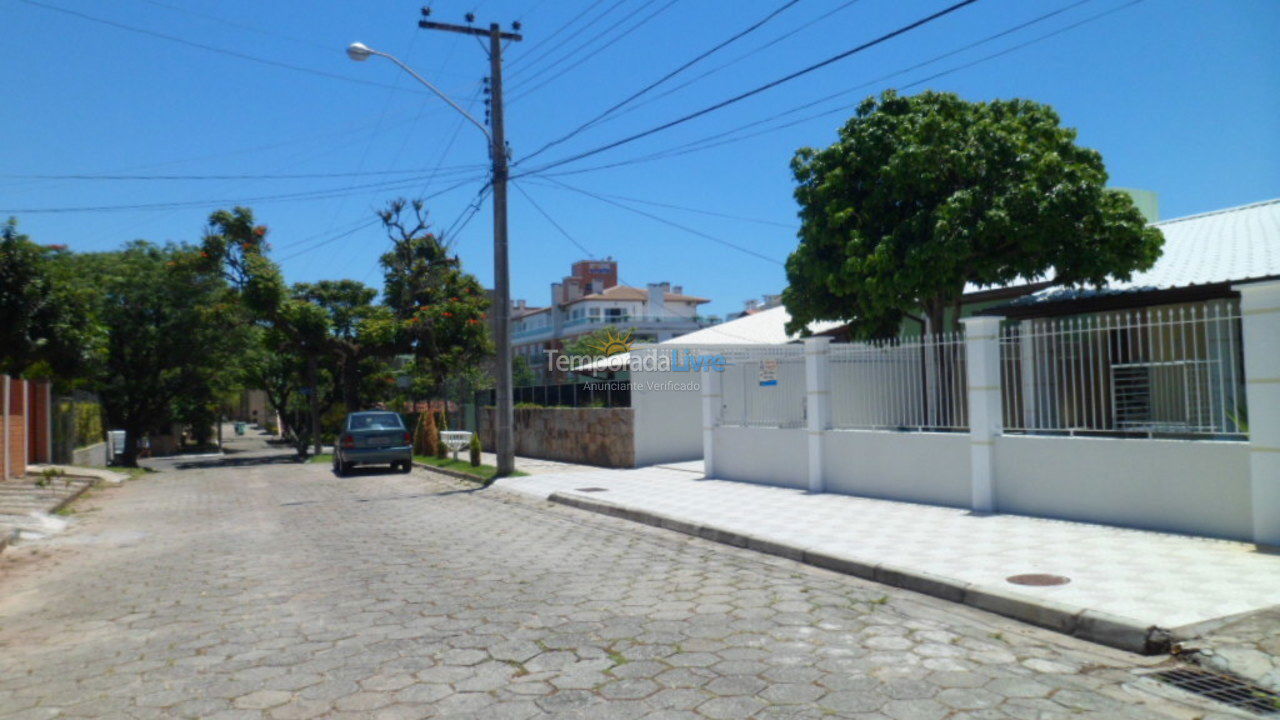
{"x":1038,"y":579}
{"x":591,"y":489}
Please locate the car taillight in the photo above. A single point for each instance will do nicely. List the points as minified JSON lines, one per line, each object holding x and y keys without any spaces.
{"x":408,"y":438}
{"x":348,"y":441}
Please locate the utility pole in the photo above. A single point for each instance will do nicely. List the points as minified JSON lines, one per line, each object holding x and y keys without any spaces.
{"x":504,"y":413}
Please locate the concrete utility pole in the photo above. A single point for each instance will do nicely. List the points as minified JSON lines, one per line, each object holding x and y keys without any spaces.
{"x":505,"y":411}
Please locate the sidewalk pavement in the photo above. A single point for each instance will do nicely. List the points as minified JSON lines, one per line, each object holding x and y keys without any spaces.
{"x":1133,"y":589}
{"x":535,"y":466}
{"x":27,"y":502}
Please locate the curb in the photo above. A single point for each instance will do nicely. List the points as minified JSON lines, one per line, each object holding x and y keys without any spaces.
{"x":1094,"y":626}
{"x":456,"y":474}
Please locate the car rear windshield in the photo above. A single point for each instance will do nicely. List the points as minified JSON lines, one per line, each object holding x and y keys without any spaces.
{"x":375,"y":421}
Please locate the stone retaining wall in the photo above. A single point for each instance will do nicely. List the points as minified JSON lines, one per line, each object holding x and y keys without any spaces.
{"x":592,"y":436}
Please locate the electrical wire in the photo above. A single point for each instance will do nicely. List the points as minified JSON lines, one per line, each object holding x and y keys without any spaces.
{"x":762,"y":88}
{"x":515,"y":61}
{"x":305,"y":195}
{"x":726,"y":137}
{"x":754,"y":52}
{"x":605,"y":44}
{"x":699,"y":211}
{"x":287,"y":176}
{"x":212,"y":48}
{"x":685,"y":66}
{"x":519,"y":70}
{"x":671,"y":223}
{"x":556,"y":225}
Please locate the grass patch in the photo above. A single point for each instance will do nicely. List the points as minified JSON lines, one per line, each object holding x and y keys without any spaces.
{"x":482,"y":472}
{"x":133,"y":472}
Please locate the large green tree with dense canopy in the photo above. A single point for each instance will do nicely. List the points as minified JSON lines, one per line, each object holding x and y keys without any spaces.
{"x":923,"y":194}
{"x":46,"y":320}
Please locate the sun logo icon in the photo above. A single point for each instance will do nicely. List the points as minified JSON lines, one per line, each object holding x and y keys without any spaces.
{"x":611,"y":342}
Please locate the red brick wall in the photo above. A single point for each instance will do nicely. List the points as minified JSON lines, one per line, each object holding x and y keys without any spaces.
{"x":38,"y":409}
{"x":16,"y":453}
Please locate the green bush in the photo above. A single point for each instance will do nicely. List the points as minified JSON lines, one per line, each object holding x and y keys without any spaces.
{"x":475,"y":449}
{"x":88,"y":424}
{"x":442,"y":450}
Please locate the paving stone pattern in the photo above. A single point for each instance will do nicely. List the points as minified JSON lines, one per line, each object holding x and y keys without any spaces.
{"x":280,"y":591}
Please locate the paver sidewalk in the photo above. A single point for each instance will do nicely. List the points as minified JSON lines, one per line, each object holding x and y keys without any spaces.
{"x":1127,"y":587}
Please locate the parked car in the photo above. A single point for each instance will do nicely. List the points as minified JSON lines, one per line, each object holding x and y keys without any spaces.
{"x":373,"y":437}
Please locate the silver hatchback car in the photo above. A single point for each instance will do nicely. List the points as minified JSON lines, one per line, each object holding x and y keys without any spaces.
{"x":373,"y":437}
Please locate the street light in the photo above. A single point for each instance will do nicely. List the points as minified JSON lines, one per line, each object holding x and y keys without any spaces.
{"x":504,"y":413}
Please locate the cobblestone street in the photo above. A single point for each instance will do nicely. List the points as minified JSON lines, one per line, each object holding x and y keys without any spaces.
{"x":270,"y":589}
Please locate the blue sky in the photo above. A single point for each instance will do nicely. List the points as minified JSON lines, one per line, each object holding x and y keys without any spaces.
{"x":1180,"y":96}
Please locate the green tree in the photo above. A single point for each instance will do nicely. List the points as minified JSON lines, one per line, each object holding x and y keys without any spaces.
{"x":46,"y":319}
{"x":923,"y":194}
{"x":439,"y":308}
{"x":171,"y":338}
{"x":362,"y":338}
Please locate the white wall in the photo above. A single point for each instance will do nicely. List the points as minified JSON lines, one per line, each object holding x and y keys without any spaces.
{"x":668,"y":422}
{"x":1199,"y":487}
{"x":769,"y":456}
{"x":910,"y":466}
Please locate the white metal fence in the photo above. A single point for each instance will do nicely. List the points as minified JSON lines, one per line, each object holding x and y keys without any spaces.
{"x":1154,"y":372}
{"x":763,"y":386}
{"x":901,"y":384}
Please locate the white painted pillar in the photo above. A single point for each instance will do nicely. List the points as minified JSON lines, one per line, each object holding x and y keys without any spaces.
{"x":817,"y":388}
{"x":712,"y":400}
{"x":1030,"y":373}
{"x":1260,"y":317}
{"x":982,"y":364}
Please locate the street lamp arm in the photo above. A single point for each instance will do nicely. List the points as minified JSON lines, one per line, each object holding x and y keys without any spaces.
{"x":433,"y":89}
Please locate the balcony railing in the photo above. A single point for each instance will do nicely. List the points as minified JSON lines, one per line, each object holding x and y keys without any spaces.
{"x":635,"y":320}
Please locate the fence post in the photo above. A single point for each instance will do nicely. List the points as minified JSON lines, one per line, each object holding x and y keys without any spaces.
{"x":1260,"y":318}
{"x":817,"y":388}
{"x":712,"y":398}
{"x":982,"y":365}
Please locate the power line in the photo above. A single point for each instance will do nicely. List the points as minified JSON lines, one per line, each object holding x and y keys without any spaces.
{"x":610,"y":43}
{"x":685,"y":66}
{"x":527,"y":53}
{"x":305,"y":195}
{"x":762,"y":88}
{"x":750,"y":53}
{"x":529,"y":78}
{"x":699,"y":211}
{"x":554,"y":224}
{"x":210,"y":48}
{"x":665,"y":221}
{"x":237,"y":24}
{"x":288,"y":176}
{"x":719,"y":138}
{"x":333,"y":239}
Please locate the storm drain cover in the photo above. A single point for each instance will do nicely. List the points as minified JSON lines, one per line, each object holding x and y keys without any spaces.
{"x":591,"y":489}
{"x":1038,"y":579}
{"x":1225,"y":689}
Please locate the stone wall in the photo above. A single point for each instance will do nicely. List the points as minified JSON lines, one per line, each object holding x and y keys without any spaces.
{"x":592,"y":436}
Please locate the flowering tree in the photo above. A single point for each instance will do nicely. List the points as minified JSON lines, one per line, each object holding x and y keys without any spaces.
{"x":439,"y":308}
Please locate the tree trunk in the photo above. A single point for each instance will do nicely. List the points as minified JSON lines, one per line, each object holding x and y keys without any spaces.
{"x":313,"y":402}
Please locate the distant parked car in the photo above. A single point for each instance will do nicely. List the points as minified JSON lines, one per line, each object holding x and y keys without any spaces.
{"x":373,"y":437}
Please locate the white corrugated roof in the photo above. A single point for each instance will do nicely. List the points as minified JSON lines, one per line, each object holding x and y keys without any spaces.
{"x":767,"y":326}
{"x":1230,"y":245}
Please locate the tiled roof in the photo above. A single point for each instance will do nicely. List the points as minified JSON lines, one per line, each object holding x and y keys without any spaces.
{"x":1230,"y":245}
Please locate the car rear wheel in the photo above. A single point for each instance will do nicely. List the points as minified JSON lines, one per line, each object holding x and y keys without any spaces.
{"x":404,"y":467}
